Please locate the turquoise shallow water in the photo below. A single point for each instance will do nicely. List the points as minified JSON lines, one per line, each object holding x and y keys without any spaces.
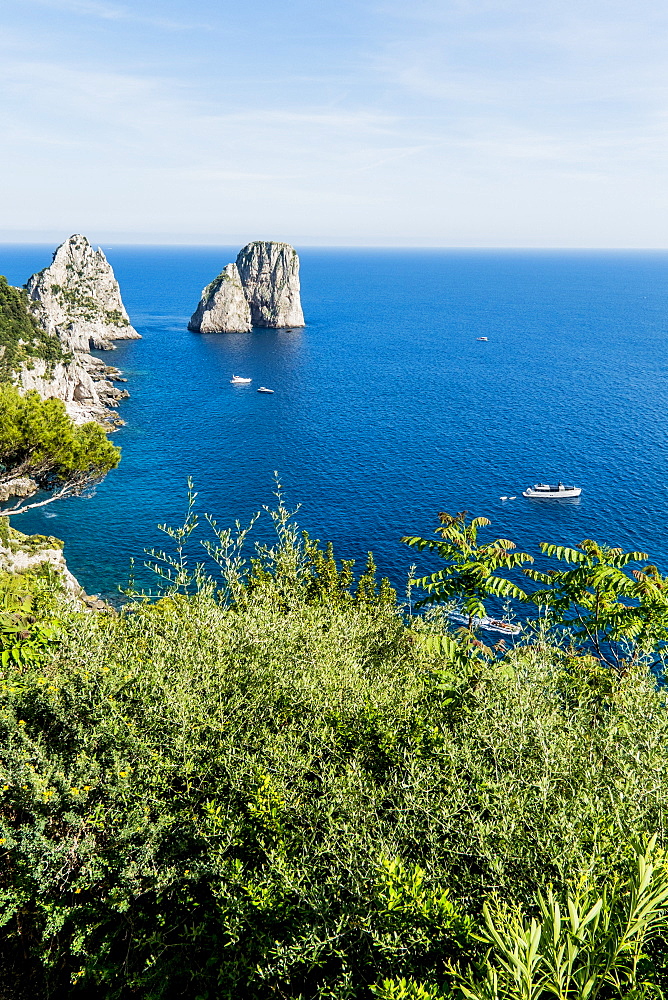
{"x":387,"y":408}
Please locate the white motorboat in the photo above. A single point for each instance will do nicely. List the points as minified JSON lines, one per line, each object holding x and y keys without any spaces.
{"x":482,"y":338}
{"x":238,"y":380}
{"x":543,"y":491}
{"x":489,"y":624}
{"x":263,"y":389}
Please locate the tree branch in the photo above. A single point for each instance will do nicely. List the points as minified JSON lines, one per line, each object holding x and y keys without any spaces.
{"x":65,"y":491}
{"x":74,"y":487}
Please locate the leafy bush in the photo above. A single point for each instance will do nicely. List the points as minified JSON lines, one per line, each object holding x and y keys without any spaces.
{"x":25,"y":631}
{"x":590,"y":945}
{"x":268,"y":787}
{"x":471,"y":571}
{"x":38,"y":439}
{"x":616,"y":614}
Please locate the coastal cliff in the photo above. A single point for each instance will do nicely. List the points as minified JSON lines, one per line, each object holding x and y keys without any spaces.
{"x":85,"y":385}
{"x":223,"y":307}
{"x":77,"y":297}
{"x":261,"y":289}
{"x":21,"y":554}
{"x":48,"y":327}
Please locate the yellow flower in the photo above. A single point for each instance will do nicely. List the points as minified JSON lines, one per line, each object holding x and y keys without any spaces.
{"x":22,"y":722}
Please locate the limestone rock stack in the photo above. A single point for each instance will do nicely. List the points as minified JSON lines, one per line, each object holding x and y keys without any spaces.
{"x":266,"y":277}
{"x":77,"y":297}
{"x":77,"y":300}
{"x":223,"y":307}
{"x":270,"y":275}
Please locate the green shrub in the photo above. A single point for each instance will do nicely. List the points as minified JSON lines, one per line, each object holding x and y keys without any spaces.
{"x":268,"y":787}
{"x":38,"y":439}
{"x":22,"y":340}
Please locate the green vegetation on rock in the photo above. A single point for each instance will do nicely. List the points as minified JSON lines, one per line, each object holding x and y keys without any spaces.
{"x":22,"y":340}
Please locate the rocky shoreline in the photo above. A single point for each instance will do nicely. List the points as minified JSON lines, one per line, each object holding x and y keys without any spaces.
{"x":85,"y":385}
{"x":20,"y":553}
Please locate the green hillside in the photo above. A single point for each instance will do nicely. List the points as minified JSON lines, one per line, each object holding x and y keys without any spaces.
{"x":22,"y":340}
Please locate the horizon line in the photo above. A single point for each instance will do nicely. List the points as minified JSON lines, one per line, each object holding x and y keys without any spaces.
{"x":124,"y":242}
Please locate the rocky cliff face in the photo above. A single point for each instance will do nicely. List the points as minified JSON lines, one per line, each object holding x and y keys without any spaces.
{"x":84,"y":384}
{"x":21,"y":553}
{"x":76,"y":304}
{"x":77,"y":297}
{"x":270,"y":275}
{"x":223,"y":307}
{"x":261,"y":289}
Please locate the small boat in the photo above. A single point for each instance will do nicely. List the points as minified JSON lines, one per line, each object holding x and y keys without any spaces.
{"x":482,"y":338}
{"x":489,"y":624}
{"x":262,"y":389}
{"x":543,"y":491}
{"x":238,"y":380}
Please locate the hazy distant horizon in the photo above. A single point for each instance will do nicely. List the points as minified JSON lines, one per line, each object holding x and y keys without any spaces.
{"x":110,"y":242}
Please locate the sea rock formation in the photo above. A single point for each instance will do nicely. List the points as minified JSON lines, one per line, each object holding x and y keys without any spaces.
{"x":77,"y":297}
{"x":269,"y":273}
{"x":47,"y":329}
{"x":266,"y":275}
{"x":223,"y":307}
{"x":22,"y":486}
{"x":21,"y":553}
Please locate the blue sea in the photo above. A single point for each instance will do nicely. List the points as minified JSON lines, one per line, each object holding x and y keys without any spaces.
{"x":387,"y":408}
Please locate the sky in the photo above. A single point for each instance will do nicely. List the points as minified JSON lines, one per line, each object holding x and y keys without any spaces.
{"x":470,"y":123}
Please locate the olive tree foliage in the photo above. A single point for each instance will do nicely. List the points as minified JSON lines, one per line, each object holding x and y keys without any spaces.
{"x":270,"y":789}
{"x":38,"y":439}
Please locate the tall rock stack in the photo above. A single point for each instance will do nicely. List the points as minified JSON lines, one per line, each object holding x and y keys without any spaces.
{"x":223,"y":307}
{"x":270,"y":275}
{"x":267,"y":276}
{"x":77,"y":297}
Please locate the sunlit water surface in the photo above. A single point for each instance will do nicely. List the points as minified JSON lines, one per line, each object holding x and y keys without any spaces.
{"x":387,"y":409}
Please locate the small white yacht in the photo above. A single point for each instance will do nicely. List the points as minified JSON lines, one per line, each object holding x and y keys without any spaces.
{"x":238,"y":380}
{"x":489,"y":624}
{"x":262,"y":389}
{"x":543,"y":491}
